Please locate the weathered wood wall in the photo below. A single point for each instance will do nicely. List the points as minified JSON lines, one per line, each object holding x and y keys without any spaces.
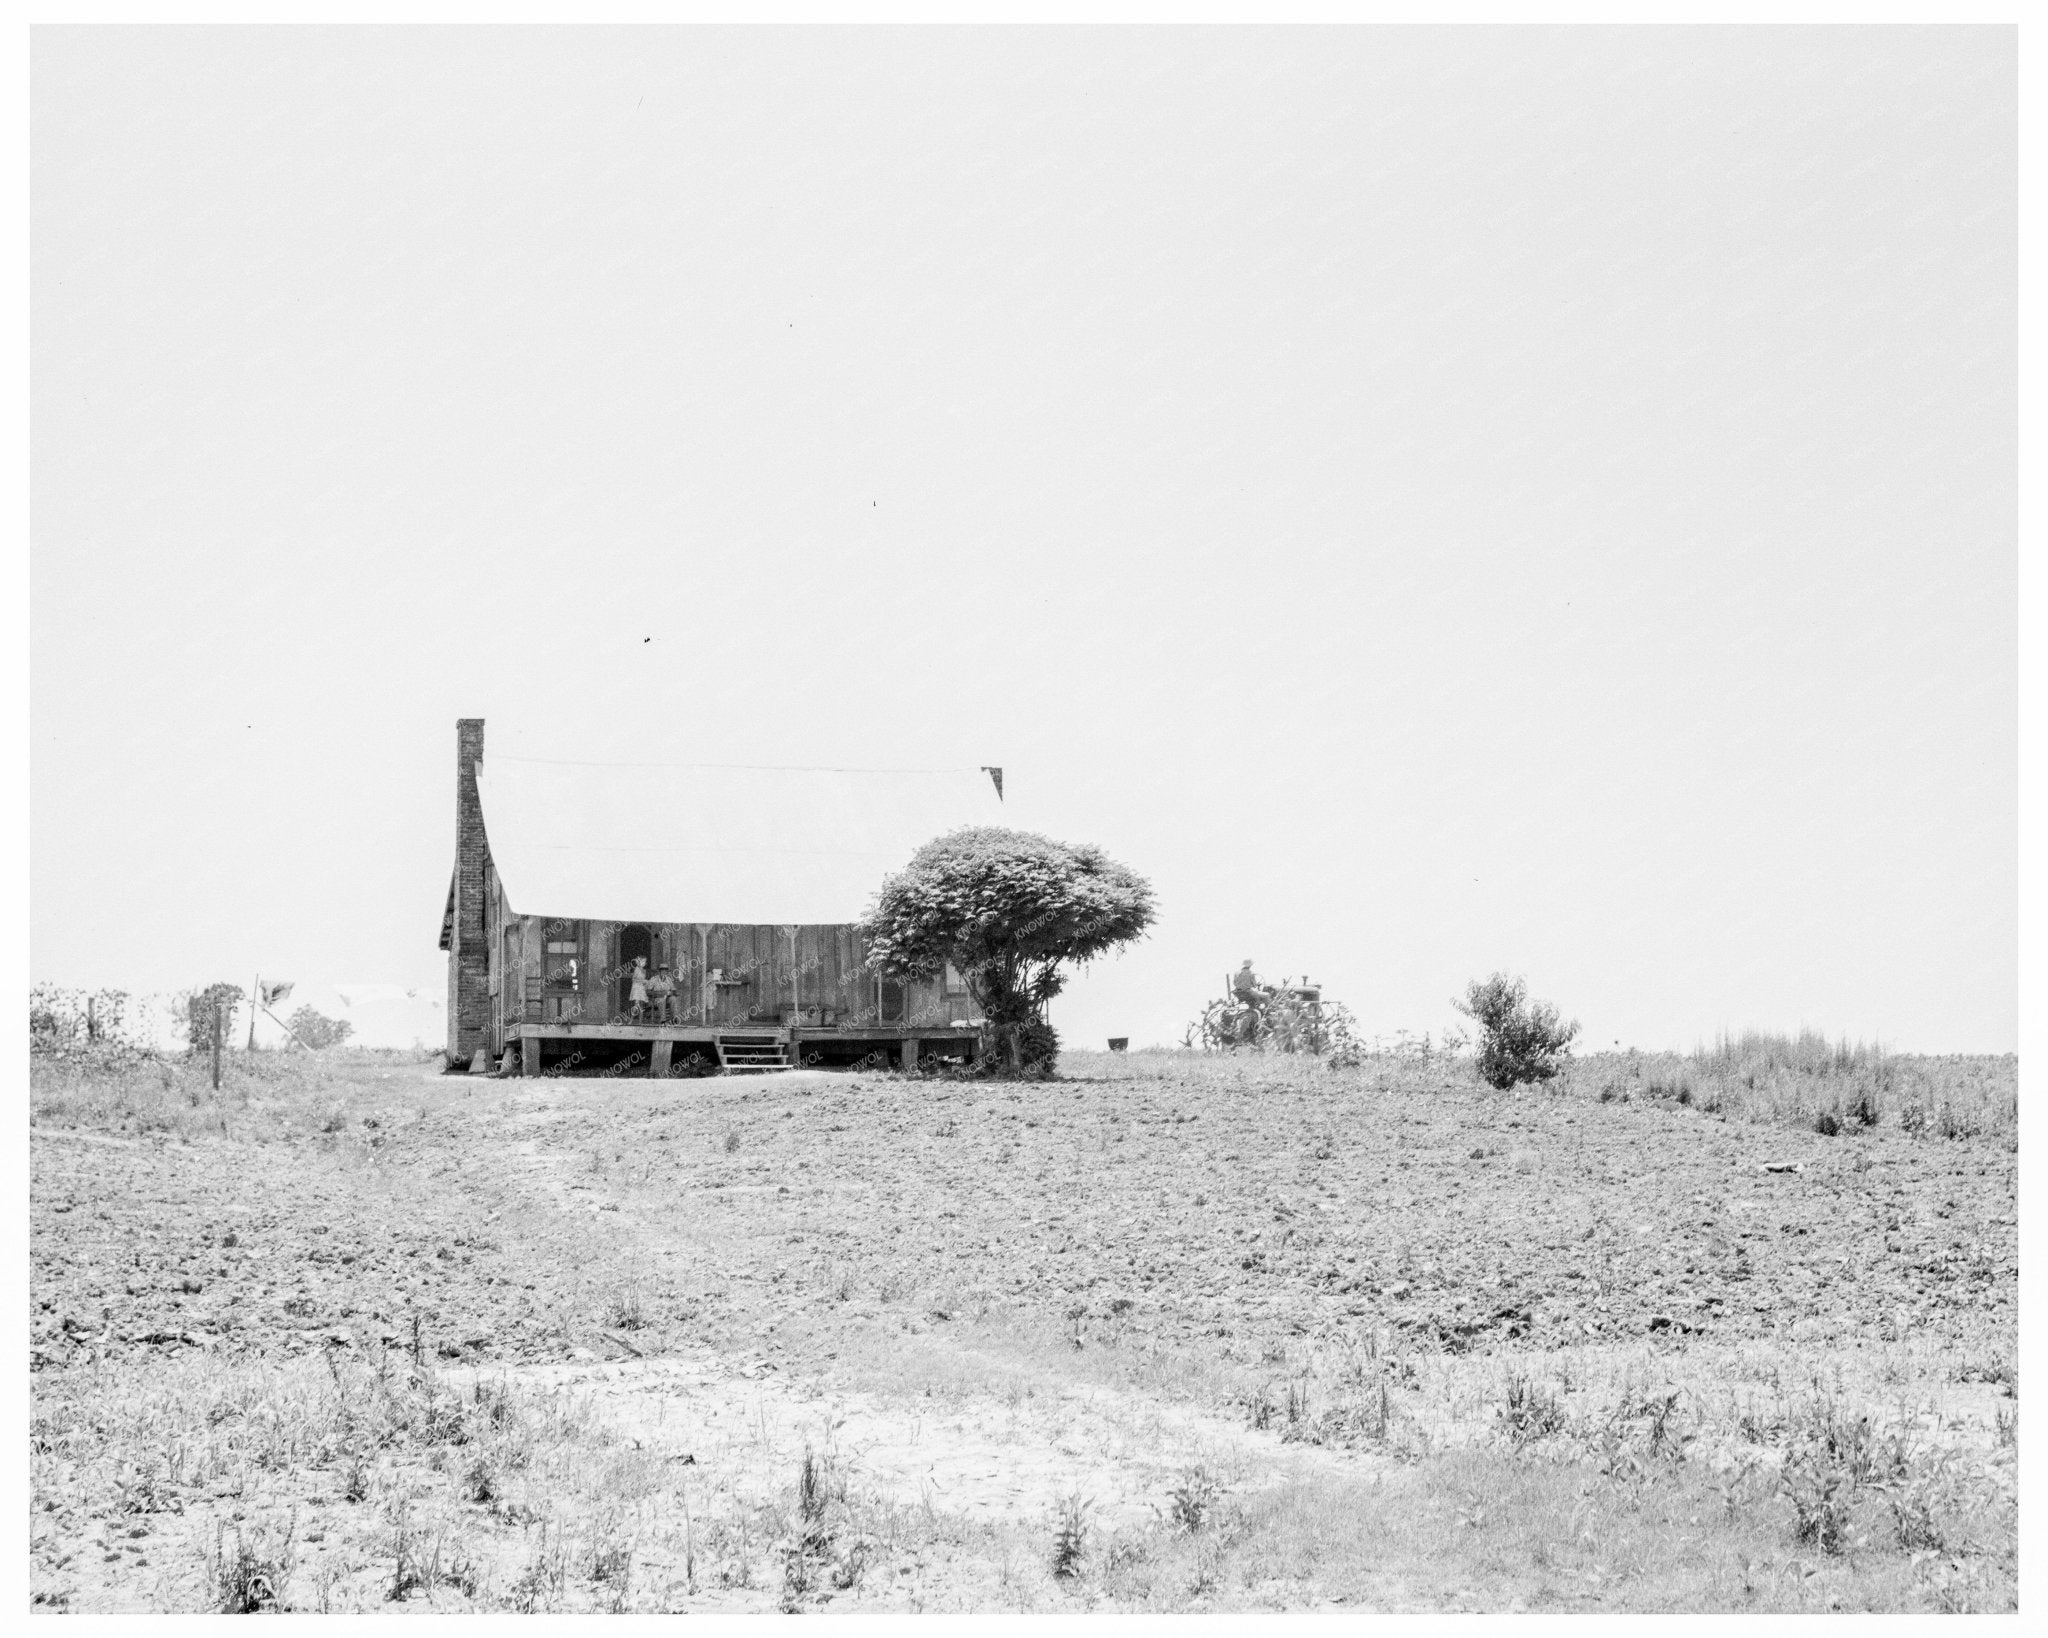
{"x":756,"y":962}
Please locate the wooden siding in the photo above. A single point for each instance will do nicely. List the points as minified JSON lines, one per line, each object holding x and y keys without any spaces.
{"x":757,"y":964}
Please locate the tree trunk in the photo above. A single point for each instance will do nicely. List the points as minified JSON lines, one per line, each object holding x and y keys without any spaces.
{"x":216,"y":1046}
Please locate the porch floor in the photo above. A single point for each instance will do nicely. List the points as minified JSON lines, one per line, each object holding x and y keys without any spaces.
{"x":904,"y":1042}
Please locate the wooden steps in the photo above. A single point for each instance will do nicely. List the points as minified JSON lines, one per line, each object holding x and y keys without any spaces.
{"x":752,"y":1054}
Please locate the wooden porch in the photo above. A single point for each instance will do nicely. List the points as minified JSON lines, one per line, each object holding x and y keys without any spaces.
{"x":736,"y":1047}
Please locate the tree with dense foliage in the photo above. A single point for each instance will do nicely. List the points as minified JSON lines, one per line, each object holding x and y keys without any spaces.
{"x":1519,"y":1040}
{"x":1010,"y":911}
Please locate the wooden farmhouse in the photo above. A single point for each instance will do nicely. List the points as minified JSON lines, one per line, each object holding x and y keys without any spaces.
{"x":577,"y":884}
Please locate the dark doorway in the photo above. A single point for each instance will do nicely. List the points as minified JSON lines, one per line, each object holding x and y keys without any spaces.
{"x":634,"y":940}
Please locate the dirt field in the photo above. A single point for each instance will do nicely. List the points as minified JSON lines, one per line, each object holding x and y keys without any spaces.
{"x":1167,"y":1333}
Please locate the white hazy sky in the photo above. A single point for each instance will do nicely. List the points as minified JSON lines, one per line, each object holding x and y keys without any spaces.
{"x":1434,"y":501}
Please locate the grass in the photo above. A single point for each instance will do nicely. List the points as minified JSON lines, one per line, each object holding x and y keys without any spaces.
{"x":1619,"y":1500}
{"x":263,"y":1096}
{"x":1796,"y":1081}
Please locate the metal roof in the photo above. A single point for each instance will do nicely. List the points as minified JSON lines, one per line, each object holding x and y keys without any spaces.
{"x":698,"y":843}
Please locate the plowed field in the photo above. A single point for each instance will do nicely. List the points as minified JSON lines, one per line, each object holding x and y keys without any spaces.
{"x":1168,"y":1333}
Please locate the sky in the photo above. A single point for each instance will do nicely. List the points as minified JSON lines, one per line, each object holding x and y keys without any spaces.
{"x":1432,"y":501}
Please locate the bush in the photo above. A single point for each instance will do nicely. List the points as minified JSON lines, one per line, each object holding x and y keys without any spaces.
{"x":203,"y":1006}
{"x":318,"y":1030}
{"x":1519,"y":1040}
{"x":1038,"y":1046}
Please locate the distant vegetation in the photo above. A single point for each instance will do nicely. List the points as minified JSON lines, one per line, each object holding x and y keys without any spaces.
{"x":59,"y":1018}
{"x":115,"y":1024}
{"x":316,"y":1029}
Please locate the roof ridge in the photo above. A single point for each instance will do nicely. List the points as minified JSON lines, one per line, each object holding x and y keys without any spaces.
{"x":746,"y":767}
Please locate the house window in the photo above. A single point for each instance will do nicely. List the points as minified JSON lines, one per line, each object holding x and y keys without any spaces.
{"x":955,"y":984}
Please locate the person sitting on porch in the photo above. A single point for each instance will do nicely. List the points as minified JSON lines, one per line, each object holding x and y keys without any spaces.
{"x":661,"y":991}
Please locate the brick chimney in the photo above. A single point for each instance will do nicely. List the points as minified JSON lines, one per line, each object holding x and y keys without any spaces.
{"x":469,"y":970}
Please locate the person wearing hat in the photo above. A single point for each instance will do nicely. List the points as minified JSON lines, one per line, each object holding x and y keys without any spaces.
{"x":1252,"y":995}
{"x":661,"y":993}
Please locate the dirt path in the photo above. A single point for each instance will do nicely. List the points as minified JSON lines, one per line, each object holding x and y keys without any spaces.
{"x":980,"y":1459}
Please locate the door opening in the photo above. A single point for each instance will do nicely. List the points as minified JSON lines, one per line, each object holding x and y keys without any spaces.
{"x":634,"y":940}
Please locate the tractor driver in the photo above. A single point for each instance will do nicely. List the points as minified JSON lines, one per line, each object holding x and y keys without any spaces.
{"x":1247,"y":988}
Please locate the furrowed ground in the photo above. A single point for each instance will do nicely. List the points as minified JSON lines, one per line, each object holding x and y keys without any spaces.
{"x":1170,"y":1332}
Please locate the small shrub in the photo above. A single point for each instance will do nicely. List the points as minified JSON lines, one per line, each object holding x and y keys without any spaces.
{"x":479,"y":1484}
{"x":1190,"y":1501}
{"x":1819,"y":1493}
{"x":611,"y":1569}
{"x":411,"y":1569}
{"x":541,"y":1584}
{"x":1916,"y":1506}
{"x":249,"y":1580}
{"x":732,"y":1140}
{"x":810,"y":1492}
{"x":1912,"y":1118}
{"x":1070,"y":1538}
{"x":1830,"y":1459}
{"x":1519,"y":1040}
{"x":1037,"y":1047}
{"x":1530,"y":1412}
{"x":846,"y":1570}
{"x":1298,"y":1423}
{"x":1827,"y":1124}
